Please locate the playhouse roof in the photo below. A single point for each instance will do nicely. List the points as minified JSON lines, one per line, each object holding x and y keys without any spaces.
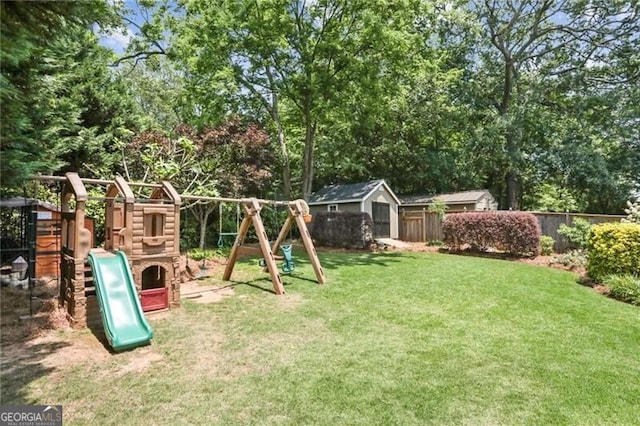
{"x":349,"y":193}
{"x":450,"y":198}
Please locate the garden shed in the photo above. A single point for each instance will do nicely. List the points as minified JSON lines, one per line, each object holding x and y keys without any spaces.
{"x":373,"y":197}
{"x":417,"y":223}
{"x":477,"y":200}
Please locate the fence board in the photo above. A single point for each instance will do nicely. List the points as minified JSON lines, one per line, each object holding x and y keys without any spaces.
{"x":550,"y":224}
{"x":432,"y":227}
{"x":412,"y":229}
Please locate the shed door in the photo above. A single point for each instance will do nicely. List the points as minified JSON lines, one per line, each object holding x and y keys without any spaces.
{"x":381,"y":220}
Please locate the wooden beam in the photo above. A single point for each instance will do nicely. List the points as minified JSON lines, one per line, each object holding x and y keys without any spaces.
{"x":252,"y":217}
{"x":296,"y":212}
{"x":249,"y":250}
{"x":267,"y":254}
{"x":233,"y":200}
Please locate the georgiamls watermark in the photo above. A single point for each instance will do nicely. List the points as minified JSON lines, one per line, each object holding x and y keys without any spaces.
{"x":30,"y":415}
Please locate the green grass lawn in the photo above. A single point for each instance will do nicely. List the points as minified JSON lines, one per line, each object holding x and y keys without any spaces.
{"x":394,"y":338}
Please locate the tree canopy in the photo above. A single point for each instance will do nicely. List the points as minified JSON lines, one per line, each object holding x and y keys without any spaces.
{"x":536,"y":100}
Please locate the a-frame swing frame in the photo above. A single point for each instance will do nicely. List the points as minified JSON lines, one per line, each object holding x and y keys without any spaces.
{"x":252,"y":208}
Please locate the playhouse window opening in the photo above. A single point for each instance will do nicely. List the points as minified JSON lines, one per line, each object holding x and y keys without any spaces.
{"x":71,"y":236}
{"x":154,"y":225}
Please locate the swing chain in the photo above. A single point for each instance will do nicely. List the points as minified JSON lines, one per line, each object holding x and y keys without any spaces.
{"x":222,"y":234}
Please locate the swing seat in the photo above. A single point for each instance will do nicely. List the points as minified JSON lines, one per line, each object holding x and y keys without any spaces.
{"x":224,"y":234}
{"x":288,"y":266}
{"x":286,"y":251}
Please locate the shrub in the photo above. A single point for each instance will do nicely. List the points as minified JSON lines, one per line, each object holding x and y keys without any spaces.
{"x":205,"y":254}
{"x":624,"y":287}
{"x":517,"y":233}
{"x":614,"y":248}
{"x":343,"y":229}
{"x":633,"y":212}
{"x":546,"y":245}
{"x":572,"y":259}
{"x":577,"y":234}
{"x":439,"y":207}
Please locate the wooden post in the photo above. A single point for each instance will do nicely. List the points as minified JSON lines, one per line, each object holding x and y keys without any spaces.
{"x":252,"y":216}
{"x":296,"y":212}
{"x":283,"y":234}
{"x":267,"y":253}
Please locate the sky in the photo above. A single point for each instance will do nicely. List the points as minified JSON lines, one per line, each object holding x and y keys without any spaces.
{"x":118,"y":39}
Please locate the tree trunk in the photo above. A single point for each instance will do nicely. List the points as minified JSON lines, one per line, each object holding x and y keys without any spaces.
{"x":286,"y":168}
{"x":307,"y":161}
{"x":513,"y":190}
{"x":513,"y":152}
{"x":282,"y":141}
{"x":203,"y":219}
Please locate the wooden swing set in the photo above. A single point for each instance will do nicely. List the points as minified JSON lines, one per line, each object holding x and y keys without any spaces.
{"x":252,"y":207}
{"x":298,"y":210}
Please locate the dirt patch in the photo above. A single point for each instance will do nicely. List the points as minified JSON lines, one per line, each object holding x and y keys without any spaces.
{"x":16,"y":305}
{"x":205,"y":293}
{"x":208,"y":268}
{"x":602,"y":289}
{"x":290,"y":300}
{"x":51,"y":352}
{"x":417,"y":247}
{"x":143,"y":359}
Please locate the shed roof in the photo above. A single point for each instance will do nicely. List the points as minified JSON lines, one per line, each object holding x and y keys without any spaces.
{"x":346,"y":193}
{"x":450,"y":198}
{"x":22,"y":202}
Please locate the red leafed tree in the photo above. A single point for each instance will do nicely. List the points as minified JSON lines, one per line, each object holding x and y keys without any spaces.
{"x":231,"y":160}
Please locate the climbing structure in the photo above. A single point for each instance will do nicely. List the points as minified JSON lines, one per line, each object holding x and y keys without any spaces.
{"x":77,"y":294}
{"x":147,"y":229}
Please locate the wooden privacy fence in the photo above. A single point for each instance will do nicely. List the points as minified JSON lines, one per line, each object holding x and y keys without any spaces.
{"x":420,"y":226}
{"x":550,"y":224}
{"x":425,"y":226}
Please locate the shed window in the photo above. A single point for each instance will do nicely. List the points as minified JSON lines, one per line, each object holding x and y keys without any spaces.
{"x":332,"y":207}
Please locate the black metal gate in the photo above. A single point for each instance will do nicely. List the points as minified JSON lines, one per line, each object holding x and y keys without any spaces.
{"x":18,"y":221}
{"x":381,"y":220}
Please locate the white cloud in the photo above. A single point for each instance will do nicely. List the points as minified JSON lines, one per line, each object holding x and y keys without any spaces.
{"x":117,"y":40}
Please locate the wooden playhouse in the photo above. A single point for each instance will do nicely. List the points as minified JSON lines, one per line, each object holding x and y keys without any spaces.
{"x":147,"y":229}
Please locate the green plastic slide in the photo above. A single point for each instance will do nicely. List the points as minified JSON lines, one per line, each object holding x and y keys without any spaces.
{"x":122,"y":316}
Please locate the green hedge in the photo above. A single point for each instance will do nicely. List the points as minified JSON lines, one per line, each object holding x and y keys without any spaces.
{"x":342,"y":229}
{"x":613,"y":248}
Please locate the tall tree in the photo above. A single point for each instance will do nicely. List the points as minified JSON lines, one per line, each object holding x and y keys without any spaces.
{"x":547,"y":38}
{"x":288,"y":57}
{"x":232,"y":159}
{"x":42,"y":45}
